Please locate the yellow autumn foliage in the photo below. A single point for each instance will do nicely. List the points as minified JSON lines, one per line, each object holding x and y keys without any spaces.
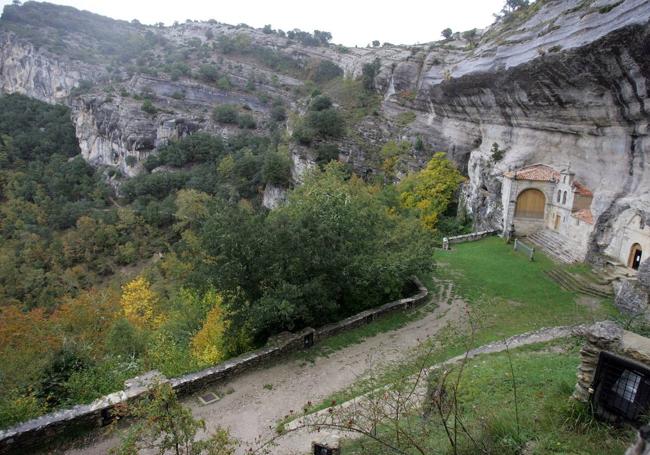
{"x":207,"y":344}
{"x":430,"y":191}
{"x":139,"y":302}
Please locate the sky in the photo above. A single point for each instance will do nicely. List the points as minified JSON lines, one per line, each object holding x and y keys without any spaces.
{"x":351,"y":22}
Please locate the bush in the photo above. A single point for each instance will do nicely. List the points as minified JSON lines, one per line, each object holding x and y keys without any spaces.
{"x":278,"y":113}
{"x":208,"y":73}
{"x":247,"y":121}
{"x":303,"y":134}
{"x":326,"y":123}
{"x":131,"y":160}
{"x":320,"y":103}
{"x":277,"y":169}
{"x":149,"y":108}
{"x":126,"y":340}
{"x":326,"y":71}
{"x":326,"y":153}
{"x":226,"y":113}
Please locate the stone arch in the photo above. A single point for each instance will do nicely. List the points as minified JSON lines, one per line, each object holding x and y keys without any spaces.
{"x":634,"y":260}
{"x":564,"y":198}
{"x":530,"y":204}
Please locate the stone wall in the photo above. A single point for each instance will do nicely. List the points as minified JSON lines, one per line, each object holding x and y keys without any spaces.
{"x":607,"y":336}
{"x":473,"y":236}
{"x":28,"y":436}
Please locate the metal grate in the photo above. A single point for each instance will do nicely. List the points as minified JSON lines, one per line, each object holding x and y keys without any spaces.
{"x":622,"y":388}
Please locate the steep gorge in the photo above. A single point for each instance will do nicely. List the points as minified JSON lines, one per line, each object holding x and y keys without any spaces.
{"x":565,"y":82}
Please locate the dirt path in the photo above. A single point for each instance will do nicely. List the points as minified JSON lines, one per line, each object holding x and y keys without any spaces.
{"x":252,"y":410}
{"x":301,"y":430}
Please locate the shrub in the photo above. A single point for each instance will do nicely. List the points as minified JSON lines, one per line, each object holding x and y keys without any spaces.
{"x":208,"y":73}
{"x":247,"y":121}
{"x":226,"y":113}
{"x":326,"y":153}
{"x":277,"y":169}
{"x":304,"y":134}
{"x":278,"y":113}
{"x":148,"y":107}
{"x":447,"y":33}
{"x":419,"y":144}
{"x":320,"y":103}
{"x":131,"y":160}
{"x":497,"y":153}
{"x":326,"y":71}
{"x":326,"y":123}
{"x":368,"y":73}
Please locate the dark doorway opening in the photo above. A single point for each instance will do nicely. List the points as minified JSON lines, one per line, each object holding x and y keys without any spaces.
{"x":635,"y":256}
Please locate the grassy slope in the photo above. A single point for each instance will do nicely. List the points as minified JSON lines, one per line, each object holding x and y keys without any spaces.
{"x":506,"y":295}
{"x":549,"y":422}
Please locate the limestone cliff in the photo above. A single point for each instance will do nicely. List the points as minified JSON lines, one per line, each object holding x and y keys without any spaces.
{"x":565,"y":81}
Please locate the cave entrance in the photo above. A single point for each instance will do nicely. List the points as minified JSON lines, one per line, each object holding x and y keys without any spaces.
{"x":530,"y":204}
{"x":635,"y":256}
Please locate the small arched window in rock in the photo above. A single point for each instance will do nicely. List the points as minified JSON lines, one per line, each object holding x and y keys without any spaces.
{"x":559,"y":195}
{"x":564,"y":198}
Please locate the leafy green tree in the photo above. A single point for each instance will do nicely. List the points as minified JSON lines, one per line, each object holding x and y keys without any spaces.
{"x":447,"y":33}
{"x":348,"y":242}
{"x":277,"y":168}
{"x":165,"y":425}
{"x":208,"y":73}
{"x":226,"y":113}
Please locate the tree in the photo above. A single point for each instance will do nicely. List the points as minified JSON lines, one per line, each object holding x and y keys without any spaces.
{"x":375,"y":43}
{"x":165,"y":425}
{"x":470,"y":36}
{"x":447,"y":33}
{"x":207,"y":345}
{"x":514,"y":5}
{"x":139,"y":302}
{"x":148,"y":107}
{"x":430,"y":191}
{"x":277,"y":168}
{"x":226,"y":113}
{"x":208,"y":73}
{"x":368,"y":73}
{"x":320,"y":103}
{"x":348,"y":241}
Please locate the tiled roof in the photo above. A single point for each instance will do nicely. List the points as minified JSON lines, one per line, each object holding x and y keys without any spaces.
{"x":584,"y":215}
{"x":537,"y":172}
{"x":581,"y":189}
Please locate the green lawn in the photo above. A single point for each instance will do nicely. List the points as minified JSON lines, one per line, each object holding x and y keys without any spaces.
{"x":506,"y":295}
{"x":549,"y":423}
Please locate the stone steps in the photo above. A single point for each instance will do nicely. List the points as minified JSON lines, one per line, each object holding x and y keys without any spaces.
{"x":554,"y":245}
{"x":574,"y":283}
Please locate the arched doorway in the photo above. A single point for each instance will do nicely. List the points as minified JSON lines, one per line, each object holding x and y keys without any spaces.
{"x":530,"y":204}
{"x":635,"y":256}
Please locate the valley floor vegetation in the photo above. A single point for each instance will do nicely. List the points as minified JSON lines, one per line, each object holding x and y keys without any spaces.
{"x":184,"y":268}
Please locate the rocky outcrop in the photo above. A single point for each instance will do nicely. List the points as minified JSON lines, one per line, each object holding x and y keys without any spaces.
{"x":32,"y":72}
{"x":565,"y":81}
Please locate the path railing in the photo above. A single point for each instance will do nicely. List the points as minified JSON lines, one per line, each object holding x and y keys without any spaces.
{"x":528,"y":250}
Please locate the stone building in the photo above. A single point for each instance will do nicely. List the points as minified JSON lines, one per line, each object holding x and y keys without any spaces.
{"x":552,"y":205}
{"x":538,"y":197}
